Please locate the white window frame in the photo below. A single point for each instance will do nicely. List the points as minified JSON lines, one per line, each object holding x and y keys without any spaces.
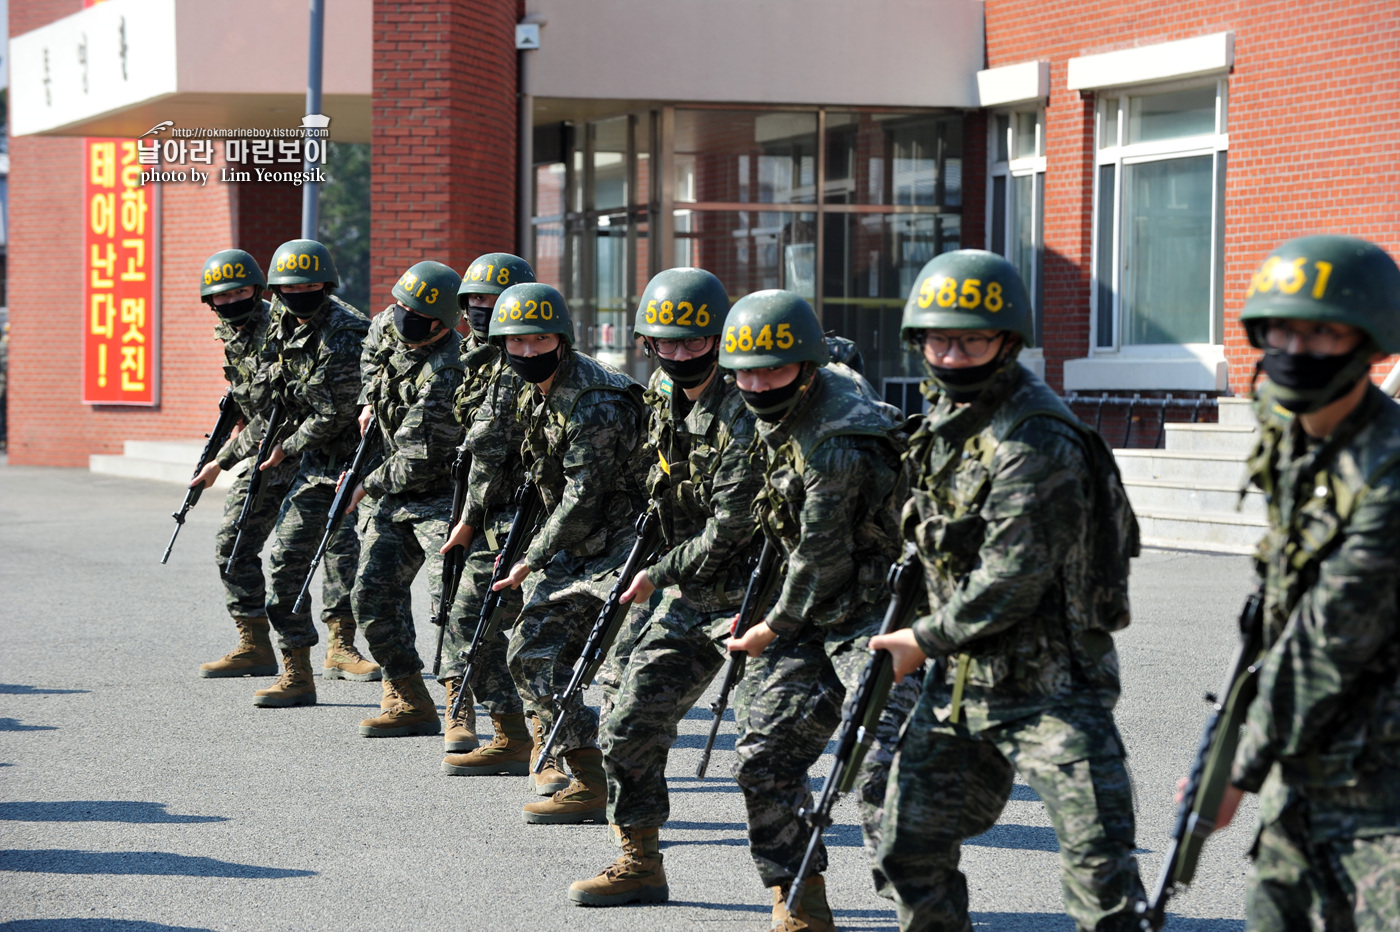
{"x":1032,"y":166}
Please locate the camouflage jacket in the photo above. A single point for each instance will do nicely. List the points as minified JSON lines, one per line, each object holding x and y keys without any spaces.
{"x":1325,"y":727}
{"x":243,"y":357}
{"x":380,"y":343}
{"x":578,"y":450}
{"x":486,"y":407}
{"x":702,"y":485}
{"x":412,"y":396}
{"x":999,"y":508}
{"x":831,"y":473}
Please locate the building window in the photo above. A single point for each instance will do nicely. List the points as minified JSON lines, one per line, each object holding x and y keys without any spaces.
{"x":1016,"y":197}
{"x":1159,"y":216}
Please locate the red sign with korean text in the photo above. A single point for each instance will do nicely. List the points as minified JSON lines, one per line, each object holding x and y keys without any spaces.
{"x":120,"y":326}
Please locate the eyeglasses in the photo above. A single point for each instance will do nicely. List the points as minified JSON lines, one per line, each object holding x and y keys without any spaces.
{"x":666,"y":347}
{"x":1318,"y":339}
{"x":972,"y":345}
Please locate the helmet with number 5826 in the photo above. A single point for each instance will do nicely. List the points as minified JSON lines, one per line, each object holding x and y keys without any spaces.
{"x":680,"y":303}
{"x":302,"y":262}
{"x":229,"y":270}
{"x":532,"y":307}
{"x":969,"y":289}
{"x":772,"y":328}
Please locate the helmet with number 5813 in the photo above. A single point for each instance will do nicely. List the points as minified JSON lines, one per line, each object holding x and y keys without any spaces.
{"x":772,"y":328}
{"x":969,"y":289}
{"x":430,"y":288}
{"x":532,"y":307}
{"x":680,"y":303}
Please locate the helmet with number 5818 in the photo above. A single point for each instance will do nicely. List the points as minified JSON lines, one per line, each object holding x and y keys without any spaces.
{"x":772,"y":328}
{"x":969,"y":289}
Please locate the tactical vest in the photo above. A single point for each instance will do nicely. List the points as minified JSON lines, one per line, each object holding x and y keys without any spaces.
{"x":298,"y":360}
{"x":395,"y":392}
{"x":243,"y":357}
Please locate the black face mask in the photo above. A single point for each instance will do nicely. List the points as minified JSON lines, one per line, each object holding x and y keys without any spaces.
{"x":689,"y":373}
{"x":771,"y":405}
{"x":534,"y":368}
{"x":236,"y":313}
{"x":965,"y":384}
{"x":1306,"y":383}
{"x":412,"y":328}
{"x":303,"y":304}
{"x":480,"y":318}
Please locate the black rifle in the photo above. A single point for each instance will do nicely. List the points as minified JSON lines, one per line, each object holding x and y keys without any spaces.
{"x":252,"y":501}
{"x":1210,"y":771}
{"x":863,"y":712}
{"x":605,"y":628}
{"x":359,"y":468}
{"x":762,"y":581}
{"x":527,"y":513}
{"x":228,"y":416}
{"x":455,"y":560}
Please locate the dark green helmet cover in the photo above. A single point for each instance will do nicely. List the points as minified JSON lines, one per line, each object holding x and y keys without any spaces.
{"x":492,"y":274}
{"x":532,"y":307}
{"x":229,"y":270}
{"x":772,"y":328}
{"x":302,"y":262}
{"x":969,"y":289}
{"x":680,"y":303}
{"x":429,"y":288}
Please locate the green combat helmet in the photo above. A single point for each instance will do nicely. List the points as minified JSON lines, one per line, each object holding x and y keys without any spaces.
{"x":532,"y":307}
{"x":969,"y":289}
{"x":493,"y":273}
{"x":680,"y":303}
{"x":429,"y":288}
{"x":229,"y":270}
{"x":772,"y":328}
{"x":302,"y":262}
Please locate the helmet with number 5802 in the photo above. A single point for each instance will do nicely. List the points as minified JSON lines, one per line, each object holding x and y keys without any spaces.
{"x":532,"y":307}
{"x":229,"y":270}
{"x":772,"y":328}
{"x":969,"y":289}
{"x":680,"y":303}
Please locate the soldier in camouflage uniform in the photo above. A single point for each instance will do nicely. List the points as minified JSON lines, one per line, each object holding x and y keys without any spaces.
{"x":831,"y":458}
{"x":412,"y":400}
{"x":702,"y":487}
{"x":1321,"y":742}
{"x":486,"y":407}
{"x":1003,"y":516}
{"x":582,"y":424}
{"x":310,"y":366}
{"x":232,"y":285}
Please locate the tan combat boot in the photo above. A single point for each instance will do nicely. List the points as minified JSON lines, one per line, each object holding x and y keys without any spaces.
{"x":388,"y":695}
{"x":550,"y":779}
{"x":252,"y":657}
{"x":295,"y":686}
{"x":343,"y":661}
{"x":414,"y":714}
{"x":508,"y":753}
{"x":812,"y":911}
{"x":461,"y":731}
{"x":636,"y":877}
{"x":585,"y":799}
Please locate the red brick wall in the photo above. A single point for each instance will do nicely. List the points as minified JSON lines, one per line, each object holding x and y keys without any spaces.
{"x":1312,"y":100}
{"x":443,"y":156}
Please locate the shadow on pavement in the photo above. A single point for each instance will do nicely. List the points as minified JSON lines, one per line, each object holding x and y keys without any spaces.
{"x":93,"y":925}
{"x":110,"y":810}
{"x":147,"y":863}
{"x":1058,"y":922}
{"x":13,"y":724}
{"x":16,"y":689}
{"x":723,"y":742}
{"x":1023,"y":793}
{"x":1023,"y":837}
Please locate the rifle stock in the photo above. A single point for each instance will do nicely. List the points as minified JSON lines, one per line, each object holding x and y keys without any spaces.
{"x":455,"y":560}
{"x":359,"y":468}
{"x":762,"y":582}
{"x":605,"y":629}
{"x":1210,"y":770}
{"x":223,"y":427}
{"x":252,"y":500}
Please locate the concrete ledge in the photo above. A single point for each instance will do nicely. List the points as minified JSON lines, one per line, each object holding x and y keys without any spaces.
{"x":1160,"y":61}
{"x":1179,"y":368}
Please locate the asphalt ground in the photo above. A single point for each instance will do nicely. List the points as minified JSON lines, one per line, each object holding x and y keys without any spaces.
{"x":136,"y":796}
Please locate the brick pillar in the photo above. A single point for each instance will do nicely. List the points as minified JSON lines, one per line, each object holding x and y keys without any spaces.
{"x":443,"y":148}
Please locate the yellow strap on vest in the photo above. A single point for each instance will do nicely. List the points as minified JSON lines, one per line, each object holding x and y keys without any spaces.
{"x":959,"y":681}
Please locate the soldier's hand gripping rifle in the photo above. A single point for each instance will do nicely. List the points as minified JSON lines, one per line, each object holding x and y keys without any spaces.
{"x":223,"y":427}
{"x":604,"y":633}
{"x":344,"y":495}
{"x":762,"y":581}
{"x":253,"y":500}
{"x":863,"y":712}
{"x":1210,"y":771}
{"x":527,"y":514}
{"x":455,"y":560}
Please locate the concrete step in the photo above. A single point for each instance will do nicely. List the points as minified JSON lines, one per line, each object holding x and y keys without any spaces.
{"x":1236,"y":412}
{"x":168,"y":461}
{"x":1181,"y":498}
{"x":1210,"y":438}
{"x":1217,"y":533}
{"x":1217,"y":470}
{"x":165,"y":451}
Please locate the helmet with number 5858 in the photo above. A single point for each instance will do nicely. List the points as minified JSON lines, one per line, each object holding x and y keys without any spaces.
{"x":680,"y":303}
{"x":772,"y":328}
{"x":532,"y":307}
{"x":969,"y":289}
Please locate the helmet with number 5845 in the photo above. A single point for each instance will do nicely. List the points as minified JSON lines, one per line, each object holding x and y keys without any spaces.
{"x":532,"y":307}
{"x":772,"y":328}
{"x":969,"y":289}
{"x":680,"y":303}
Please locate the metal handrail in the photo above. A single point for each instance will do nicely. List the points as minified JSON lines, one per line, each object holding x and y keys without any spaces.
{"x":1104,"y":400}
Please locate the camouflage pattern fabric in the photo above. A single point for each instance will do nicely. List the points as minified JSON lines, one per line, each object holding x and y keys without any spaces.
{"x":244,"y":358}
{"x":300,"y":524}
{"x":1001,"y":492}
{"x":491,"y":684}
{"x":244,"y":590}
{"x":380,"y":343}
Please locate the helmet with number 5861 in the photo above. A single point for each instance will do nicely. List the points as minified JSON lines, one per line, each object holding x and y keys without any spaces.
{"x":772,"y":328}
{"x":969,"y":289}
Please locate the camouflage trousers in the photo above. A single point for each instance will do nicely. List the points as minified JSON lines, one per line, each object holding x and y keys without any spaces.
{"x":664,"y":667}
{"x":300,"y":524}
{"x":398,"y":537}
{"x":561,"y":602}
{"x":244,"y":590}
{"x":787,"y":707}
{"x":948,"y":785}
{"x":491,"y":683}
{"x":1348,"y":885}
